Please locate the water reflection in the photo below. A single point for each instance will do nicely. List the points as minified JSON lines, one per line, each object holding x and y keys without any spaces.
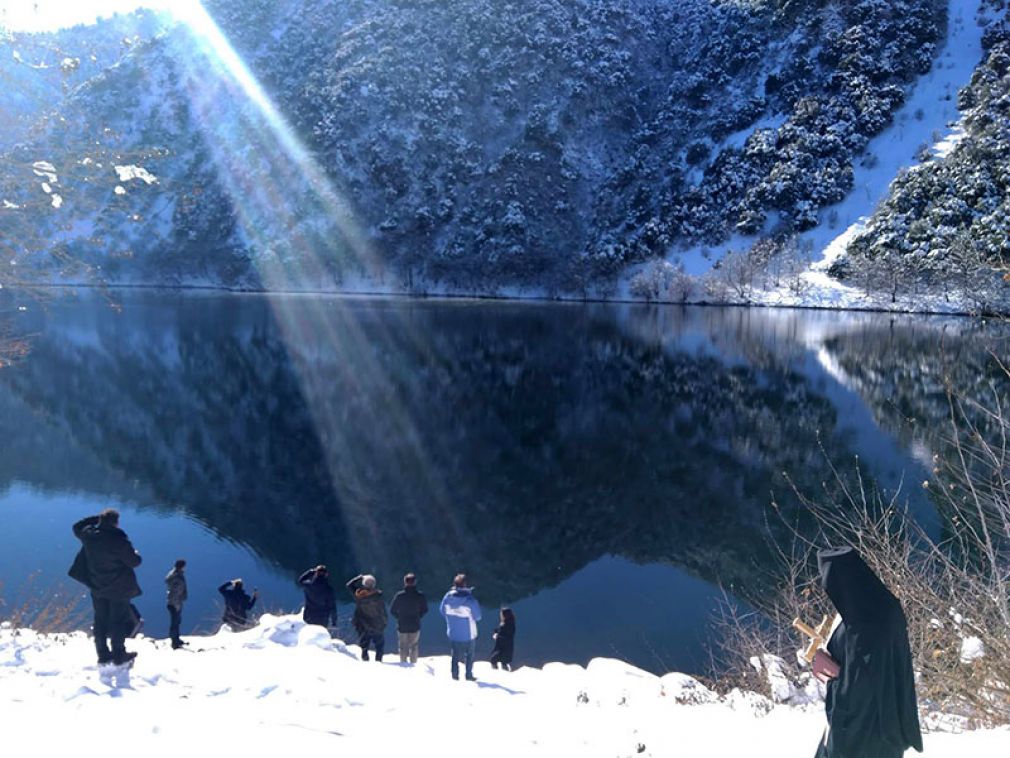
{"x":520,"y":443}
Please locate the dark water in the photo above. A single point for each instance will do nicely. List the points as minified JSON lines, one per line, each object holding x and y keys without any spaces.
{"x":603,"y":469}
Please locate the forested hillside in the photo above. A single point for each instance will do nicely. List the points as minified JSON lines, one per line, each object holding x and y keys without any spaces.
{"x":476,"y":145}
{"x":945,"y":222}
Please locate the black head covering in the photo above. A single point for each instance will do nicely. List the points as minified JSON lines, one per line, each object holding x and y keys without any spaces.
{"x":855,"y":590}
{"x":871,"y":706}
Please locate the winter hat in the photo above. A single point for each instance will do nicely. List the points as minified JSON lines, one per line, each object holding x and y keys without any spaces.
{"x":368,"y":582}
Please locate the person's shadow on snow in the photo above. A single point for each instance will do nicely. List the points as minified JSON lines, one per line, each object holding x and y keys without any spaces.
{"x":492,"y":686}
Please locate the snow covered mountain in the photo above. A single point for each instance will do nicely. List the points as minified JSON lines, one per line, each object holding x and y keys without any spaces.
{"x":39,"y":73}
{"x":475,"y":145}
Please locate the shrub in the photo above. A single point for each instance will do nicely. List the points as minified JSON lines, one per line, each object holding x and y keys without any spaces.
{"x":952,"y":587}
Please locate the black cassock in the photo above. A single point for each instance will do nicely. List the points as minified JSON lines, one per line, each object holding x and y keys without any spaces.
{"x":871,"y":706}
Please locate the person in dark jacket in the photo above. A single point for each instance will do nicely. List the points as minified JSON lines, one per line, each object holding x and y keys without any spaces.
{"x":320,"y":601}
{"x":408,"y":605}
{"x":105,"y":564}
{"x":504,"y":640}
{"x":369,"y":615}
{"x":177,"y":594}
{"x":237,"y":603}
{"x":870,"y":705}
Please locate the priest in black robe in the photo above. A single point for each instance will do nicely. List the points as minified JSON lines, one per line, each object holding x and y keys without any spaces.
{"x":871,"y":706}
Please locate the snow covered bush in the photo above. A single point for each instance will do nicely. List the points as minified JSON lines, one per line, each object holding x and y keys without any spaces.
{"x":661,"y":280}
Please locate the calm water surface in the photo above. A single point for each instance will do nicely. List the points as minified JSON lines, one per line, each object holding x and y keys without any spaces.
{"x":605,"y":470}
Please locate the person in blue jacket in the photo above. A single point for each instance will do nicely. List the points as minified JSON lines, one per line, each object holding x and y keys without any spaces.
{"x":461,"y":612}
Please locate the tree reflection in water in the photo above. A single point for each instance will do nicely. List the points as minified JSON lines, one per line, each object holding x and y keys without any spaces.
{"x":516,"y":442}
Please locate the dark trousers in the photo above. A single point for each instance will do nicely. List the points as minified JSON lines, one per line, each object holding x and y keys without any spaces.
{"x":113,"y":621}
{"x":462,"y":652}
{"x":378,"y":640}
{"x":174,"y":621}
{"x":501,"y":656}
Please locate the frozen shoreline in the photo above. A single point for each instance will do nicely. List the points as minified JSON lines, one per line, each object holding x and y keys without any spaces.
{"x":285,"y":686}
{"x":930,"y":306}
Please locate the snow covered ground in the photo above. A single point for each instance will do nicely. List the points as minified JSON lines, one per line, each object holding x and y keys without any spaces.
{"x":284,"y":688}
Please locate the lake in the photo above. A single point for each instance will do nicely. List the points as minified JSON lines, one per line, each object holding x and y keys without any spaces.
{"x":606,"y":470}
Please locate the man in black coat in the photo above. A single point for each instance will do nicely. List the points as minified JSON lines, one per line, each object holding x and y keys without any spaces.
{"x":408,"y":605}
{"x":871,"y":705}
{"x":105,"y":564}
{"x":320,"y":602}
{"x":369,"y":615}
{"x":237,"y":603}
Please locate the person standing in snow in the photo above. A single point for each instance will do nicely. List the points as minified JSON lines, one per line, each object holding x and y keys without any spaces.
{"x":504,"y":640}
{"x":175,"y":584}
{"x":461,"y":612}
{"x":105,"y":564}
{"x":871,"y":704}
{"x":369,"y":615}
{"x":407,"y":607}
{"x":320,"y":600}
{"x":237,"y":603}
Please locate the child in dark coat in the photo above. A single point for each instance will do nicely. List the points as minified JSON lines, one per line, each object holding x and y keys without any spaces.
{"x":504,"y":639}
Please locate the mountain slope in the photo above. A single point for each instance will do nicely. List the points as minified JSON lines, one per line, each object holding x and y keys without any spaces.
{"x":945,"y":222}
{"x":468,"y":145}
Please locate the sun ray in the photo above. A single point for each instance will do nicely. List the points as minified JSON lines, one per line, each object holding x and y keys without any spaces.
{"x":302,"y":235}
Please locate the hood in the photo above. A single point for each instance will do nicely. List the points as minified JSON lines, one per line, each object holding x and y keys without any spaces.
{"x":857,"y":593}
{"x":461,"y":591}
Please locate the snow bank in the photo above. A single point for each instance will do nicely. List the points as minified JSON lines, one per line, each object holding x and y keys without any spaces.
{"x":972,"y":648}
{"x":131,"y":172}
{"x":285,"y":687}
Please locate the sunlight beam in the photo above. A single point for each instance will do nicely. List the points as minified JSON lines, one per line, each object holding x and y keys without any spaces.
{"x":277,"y":189}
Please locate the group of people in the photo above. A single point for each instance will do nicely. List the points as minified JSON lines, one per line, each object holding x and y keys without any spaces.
{"x":866,"y":662}
{"x":107,"y":559}
{"x":459,"y":608}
